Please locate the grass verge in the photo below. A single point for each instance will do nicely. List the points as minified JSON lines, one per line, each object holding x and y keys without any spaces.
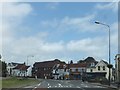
{"x":18,"y":83}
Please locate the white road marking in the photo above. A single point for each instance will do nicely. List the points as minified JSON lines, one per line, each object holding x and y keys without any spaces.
{"x":48,"y":84}
{"x":78,"y":87}
{"x":59,"y":84}
{"x":39,"y":84}
{"x":55,"y":86}
{"x":66,"y":86}
{"x":35,"y":87}
{"x":86,"y":86}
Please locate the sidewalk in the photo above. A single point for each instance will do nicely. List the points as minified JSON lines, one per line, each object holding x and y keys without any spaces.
{"x":111,"y":86}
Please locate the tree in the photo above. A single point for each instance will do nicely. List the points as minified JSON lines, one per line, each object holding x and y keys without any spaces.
{"x":3,"y":69}
{"x":71,"y":62}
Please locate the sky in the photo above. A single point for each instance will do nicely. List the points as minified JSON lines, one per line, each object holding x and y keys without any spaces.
{"x":40,"y":31}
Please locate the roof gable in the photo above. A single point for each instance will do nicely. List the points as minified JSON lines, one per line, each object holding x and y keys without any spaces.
{"x":102,"y":63}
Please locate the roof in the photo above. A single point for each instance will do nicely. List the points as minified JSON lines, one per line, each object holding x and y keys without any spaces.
{"x":21,"y":67}
{"x":48,"y":63}
{"x":78,"y":65}
{"x":88,"y":61}
{"x":63,"y":66}
{"x":14,"y":64}
{"x":105,"y":62}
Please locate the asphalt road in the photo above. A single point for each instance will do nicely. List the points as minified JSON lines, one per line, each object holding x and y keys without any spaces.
{"x":68,"y":84}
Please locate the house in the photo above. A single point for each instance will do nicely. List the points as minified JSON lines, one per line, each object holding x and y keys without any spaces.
{"x":60,"y":71}
{"x":20,"y":70}
{"x":99,"y":69}
{"x":77,"y":71}
{"x":117,"y":68}
{"x":44,"y":69}
{"x":10,"y":67}
{"x":69,"y":71}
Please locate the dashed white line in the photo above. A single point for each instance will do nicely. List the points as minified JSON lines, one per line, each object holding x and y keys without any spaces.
{"x":78,"y":87}
{"x":35,"y":87}
{"x":59,"y":84}
{"x":48,"y":84}
{"x":39,"y":84}
{"x":66,"y":86}
{"x":55,"y":86}
{"x":86,"y":86}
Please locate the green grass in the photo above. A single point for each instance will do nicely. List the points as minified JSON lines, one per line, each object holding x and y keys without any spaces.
{"x":17,"y":83}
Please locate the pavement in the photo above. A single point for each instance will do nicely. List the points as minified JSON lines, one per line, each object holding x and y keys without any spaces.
{"x":69,"y":84}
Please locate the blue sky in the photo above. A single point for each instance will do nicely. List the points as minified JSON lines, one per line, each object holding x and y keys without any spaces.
{"x":62,"y":30}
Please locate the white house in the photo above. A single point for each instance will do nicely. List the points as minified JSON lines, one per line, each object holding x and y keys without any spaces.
{"x":100,"y":70}
{"x":20,"y":70}
{"x":14,"y":69}
{"x":10,"y":67}
{"x":60,"y":71}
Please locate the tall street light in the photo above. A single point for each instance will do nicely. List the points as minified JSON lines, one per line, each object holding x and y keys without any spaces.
{"x":109,"y":65}
{"x":28,"y":58}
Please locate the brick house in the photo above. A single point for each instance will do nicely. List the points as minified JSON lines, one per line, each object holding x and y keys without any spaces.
{"x":44,"y":69}
{"x":77,"y":71}
{"x":69,"y":71}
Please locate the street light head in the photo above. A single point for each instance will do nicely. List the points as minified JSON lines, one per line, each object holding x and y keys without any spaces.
{"x":97,"y":22}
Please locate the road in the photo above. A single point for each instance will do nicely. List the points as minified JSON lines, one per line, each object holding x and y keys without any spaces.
{"x":67,"y":84}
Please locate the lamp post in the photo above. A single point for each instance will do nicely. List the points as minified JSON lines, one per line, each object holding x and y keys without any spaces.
{"x":28,"y":58}
{"x":109,"y":65}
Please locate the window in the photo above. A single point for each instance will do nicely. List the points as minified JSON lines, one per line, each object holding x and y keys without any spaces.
{"x":91,"y":70}
{"x":76,"y":69}
{"x":73,"y":70}
{"x":99,"y":68}
{"x":79,"y":70}
{"x":83,"y":70}
{"x":103,"y":67}
{"x":92,"y":64}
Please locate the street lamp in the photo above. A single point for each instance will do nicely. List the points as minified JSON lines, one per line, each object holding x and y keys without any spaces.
{"x":109,"y":65}
{"x":28,"y":58}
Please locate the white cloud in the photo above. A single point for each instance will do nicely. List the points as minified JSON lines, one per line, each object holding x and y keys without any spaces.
{"x":110,"y":6}
{"x":16,"y":9}
{"x":94,"y":47}
{"x":37,"y":44}
{"x":80,"y":24}
{"x":34,"y":45}
{"x":52,"y":5}
{"x":12,"y":15}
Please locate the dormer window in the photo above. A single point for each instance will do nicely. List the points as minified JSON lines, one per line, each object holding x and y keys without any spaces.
{"x":98,"y":68}
{"x":92,"y":64}
{"x":103,"y":67}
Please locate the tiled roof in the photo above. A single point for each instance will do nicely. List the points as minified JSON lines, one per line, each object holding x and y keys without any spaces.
{"x":48,"y":63}
{"x":78,"y":65}
{"x":21,"y":67}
